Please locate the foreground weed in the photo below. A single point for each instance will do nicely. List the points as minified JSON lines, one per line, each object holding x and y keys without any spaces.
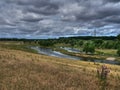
{"x":102,"y":74}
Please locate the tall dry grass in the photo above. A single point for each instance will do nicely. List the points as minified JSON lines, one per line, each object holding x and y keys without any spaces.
{"x":25,"y":71}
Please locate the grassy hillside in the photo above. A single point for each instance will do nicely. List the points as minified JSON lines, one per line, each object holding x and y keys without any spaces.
{"x":21,"y":70}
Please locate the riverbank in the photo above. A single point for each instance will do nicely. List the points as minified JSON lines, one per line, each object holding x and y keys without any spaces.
{"x":55,"y":53}
{"x":90,"y":56}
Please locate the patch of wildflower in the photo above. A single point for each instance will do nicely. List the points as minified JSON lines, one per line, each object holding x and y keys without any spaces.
{"x":103,"y":72}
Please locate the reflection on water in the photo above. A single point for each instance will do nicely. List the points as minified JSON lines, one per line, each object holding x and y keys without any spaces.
{"x":71,"y":49}
{"x":49,"y":52}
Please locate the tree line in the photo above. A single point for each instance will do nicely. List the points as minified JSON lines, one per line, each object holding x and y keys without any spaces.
{"x":88,"y":43}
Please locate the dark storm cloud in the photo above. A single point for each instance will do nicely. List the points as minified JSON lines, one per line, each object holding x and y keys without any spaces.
{"x":91,"y":10}
{"x":31,"y":20}
{"x":113,"y":1}
{"x":38,"y":18}
{"x":113,"y":19}
{"x":37,"y":6}
{"x":48,"y":10}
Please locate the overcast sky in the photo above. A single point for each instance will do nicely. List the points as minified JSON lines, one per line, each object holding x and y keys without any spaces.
{"x":51,"y":18}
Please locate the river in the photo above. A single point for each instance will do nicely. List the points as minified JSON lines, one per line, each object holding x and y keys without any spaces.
{"x":50,"y":52}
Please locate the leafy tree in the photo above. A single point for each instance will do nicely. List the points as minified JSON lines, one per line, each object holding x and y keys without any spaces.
{"x":46,"y":43}
{"x":118,"y":36}
{"x":72,"y":42}
{"x":109,"y":45}
{"x":92,"y":48}
{"x":89,"y":47}
{"x":80,"y":42}
{"x":98,"y":42}
{"x":85,"y":49}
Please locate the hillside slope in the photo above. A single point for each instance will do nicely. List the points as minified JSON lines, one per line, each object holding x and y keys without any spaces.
{"x":21,"y":70}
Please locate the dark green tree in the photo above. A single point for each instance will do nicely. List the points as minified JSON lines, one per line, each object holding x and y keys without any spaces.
{"x":80,"y":43}
{"x":46,"y":43}
{"x":98,"y":42}
{"x":118,"y":36}
{"x":89,"y":48}
{"x":85,"y":48}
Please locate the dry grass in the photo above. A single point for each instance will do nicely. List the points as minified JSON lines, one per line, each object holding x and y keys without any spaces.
{"x":26,"y":71}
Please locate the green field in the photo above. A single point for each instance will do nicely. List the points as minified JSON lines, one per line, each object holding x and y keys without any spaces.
{"x":112,"y":52}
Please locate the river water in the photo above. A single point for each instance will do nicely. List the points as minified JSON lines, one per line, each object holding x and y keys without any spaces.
{"x":50,"y":52}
